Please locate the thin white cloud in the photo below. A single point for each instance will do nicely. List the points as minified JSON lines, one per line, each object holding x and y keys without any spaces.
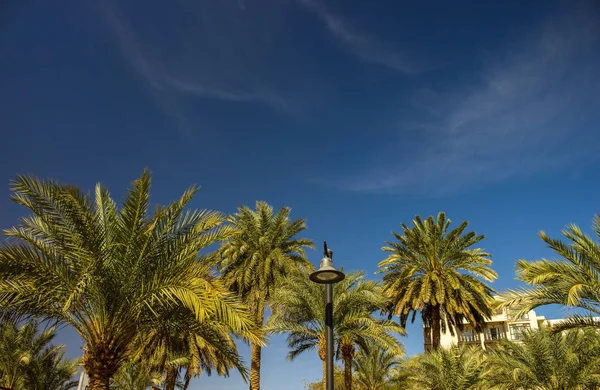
{"x":365,"y":47}
{"x":534,"y":109}
{"x":166,"y":83}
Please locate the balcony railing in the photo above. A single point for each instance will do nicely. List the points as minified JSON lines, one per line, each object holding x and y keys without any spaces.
{"x":468,"y":337}
{"x":494,"y":336}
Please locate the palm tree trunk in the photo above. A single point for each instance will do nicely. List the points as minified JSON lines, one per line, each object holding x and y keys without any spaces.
{"x":347,"y":349}
{"x":257,"y":350}
{"x":436,"y":327}
{"x":171,"y":379}
{"x":98,"y":383}
{"x":323,"y":356}
{"x":324,"y":374}
{"x":348,"y":373}
{"x":100,"y":363}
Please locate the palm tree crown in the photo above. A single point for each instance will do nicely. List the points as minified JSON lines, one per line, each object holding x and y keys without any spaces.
{"x":455,"y":368}
{"x":435,"y":271}
{"x":111,"y":273}
{"x":572,"y":280}
{"x":262,"y":250}
{"x":29,"y":362}
{"x":376,"y":368}
{"x":546,"y":360}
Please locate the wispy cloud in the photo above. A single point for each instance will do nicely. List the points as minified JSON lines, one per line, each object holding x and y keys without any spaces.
{"x":168,"y":82}
{"x":364,"y":46}
{"x":534,"y":108}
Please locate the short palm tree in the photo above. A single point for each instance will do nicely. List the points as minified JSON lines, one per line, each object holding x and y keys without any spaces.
{"x":262,"y":250}
{"x":299,"y":307}
{"x":111,"y":273}
{"x":338,"y":382}
{"x":437,"y":272}
{"x":546,"y":360}
{"x":52,"y":372}
{"x":375,"y":368}
{"x":573,"y":280}
{"x":29,"y":362}
{"x":135,"y":375}
{"x":181,"y":344}
{"x":455,"y":368}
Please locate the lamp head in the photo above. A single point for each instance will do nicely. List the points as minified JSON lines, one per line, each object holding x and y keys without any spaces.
{"x":327,"y":274}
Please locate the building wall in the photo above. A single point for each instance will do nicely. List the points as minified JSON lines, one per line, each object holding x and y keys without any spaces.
{"x":83,"y":381}
{"x":504,"y":324}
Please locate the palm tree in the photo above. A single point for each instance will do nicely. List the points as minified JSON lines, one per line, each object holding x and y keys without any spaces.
{"x":51,"y":372}
{"x":456,"y":368}
{"x":375,"y":368}
{"x":546,"y":360}
{"x":338,"y":373}
{"x":111,"y":273}
{"x":436,"y":272}
{"x":29,"y":361}
{"x":262,"y":250}
{"x":135,"y":375}
{"x":180,"y":343}
{"x":573,"y":280}
{"x":299,"y":307}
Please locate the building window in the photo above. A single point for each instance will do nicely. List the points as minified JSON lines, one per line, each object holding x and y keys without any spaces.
{"x":495,"y":333}
{"x":517,"y":331}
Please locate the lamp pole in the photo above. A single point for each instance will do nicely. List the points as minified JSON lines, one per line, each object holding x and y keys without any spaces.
{"x":329,"y":333}
{"x":328,"y":275}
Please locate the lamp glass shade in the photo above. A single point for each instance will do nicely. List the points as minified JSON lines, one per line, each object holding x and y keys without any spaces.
{"x":327,"y":274}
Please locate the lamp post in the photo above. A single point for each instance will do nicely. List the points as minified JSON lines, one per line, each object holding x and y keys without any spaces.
{"x":328,"y":275}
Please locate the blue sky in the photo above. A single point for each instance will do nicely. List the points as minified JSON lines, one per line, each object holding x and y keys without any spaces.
{"x":357,"y":114}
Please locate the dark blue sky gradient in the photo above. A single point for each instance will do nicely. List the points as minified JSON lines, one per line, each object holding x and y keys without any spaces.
{"x":357,"y":114}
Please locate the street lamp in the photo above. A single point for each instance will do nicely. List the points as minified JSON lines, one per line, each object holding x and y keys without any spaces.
{"x":328,"y":275}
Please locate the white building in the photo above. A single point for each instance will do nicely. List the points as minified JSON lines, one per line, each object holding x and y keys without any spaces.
{"x":83,"y":381}
{"x":504,"y":324}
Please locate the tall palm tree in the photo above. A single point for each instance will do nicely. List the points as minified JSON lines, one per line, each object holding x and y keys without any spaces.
{"x":262,"y":250}
{"x":573,"y":280}
{"x":111,"y":273}
{"x":437,"y":272}
{"x":456,"y":368}
{"x":299,"y":307}
{"x":376,"y":367}
{"x":546,"y":360}
{"x":29,"y":361}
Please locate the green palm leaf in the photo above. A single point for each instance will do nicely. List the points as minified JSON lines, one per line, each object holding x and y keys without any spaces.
{"x":112,"y":273}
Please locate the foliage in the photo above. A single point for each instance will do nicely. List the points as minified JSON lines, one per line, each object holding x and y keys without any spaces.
{"x":436,"y":272}
{"x":183,"y":343}
{"x":572,"y":280}
{"x":455,"y":368}
{"x":29,"y":362}
{"x":135,"y":375}
{"x":338,"y":382}
{"x":299,"y":308}
{"x":376,"y":368}
{"x":112,"y":273}
{"x":262,"y":250}
{"x":546,"y":361}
